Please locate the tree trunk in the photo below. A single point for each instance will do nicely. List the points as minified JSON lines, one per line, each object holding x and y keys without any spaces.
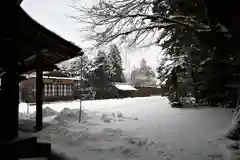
{"x":175,"y":86}
{"x":192,"y":75}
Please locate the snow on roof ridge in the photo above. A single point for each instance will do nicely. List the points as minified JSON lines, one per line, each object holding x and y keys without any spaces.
{"x":124,"y":87}
{"x":69,"y":78}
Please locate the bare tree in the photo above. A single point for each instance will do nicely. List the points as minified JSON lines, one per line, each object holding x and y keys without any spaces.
{"x":129,"y":21}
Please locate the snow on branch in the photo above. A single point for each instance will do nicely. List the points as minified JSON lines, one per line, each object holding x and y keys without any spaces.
{"x":129,"y":21}
{"x":167,"y":65}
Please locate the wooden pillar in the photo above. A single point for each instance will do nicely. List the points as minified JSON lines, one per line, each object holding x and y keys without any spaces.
{"x":9,"y":106}
{"x":39,"y":92}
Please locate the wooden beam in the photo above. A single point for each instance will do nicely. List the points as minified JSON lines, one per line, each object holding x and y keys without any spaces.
{"x":39,"y":91}
{"x":9,"y":108}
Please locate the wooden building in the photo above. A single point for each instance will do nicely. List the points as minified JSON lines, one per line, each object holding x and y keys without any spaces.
{"x":124,"y":90}
{"x":55,"y":89}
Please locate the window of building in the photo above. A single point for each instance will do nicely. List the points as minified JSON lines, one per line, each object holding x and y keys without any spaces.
{"x":59,"y":90}
{"x":45,"y":89}
{"x":70,"y":89}
{"x":53,"y":90}
{"x":65,"y":90}
{"x":56,"y":89}
{"x":62,"y":91}
{"x":50,"y":89}
{"x":34,"y":90}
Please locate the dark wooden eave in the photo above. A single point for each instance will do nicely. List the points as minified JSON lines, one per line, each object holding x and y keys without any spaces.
{"x":19,"y":2}
{"x":28,"y":38}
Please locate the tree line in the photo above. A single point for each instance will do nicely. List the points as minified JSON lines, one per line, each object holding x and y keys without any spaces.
{"x":198,"y":39}
{"x":107,"y":68}
{"x":100,"y":71}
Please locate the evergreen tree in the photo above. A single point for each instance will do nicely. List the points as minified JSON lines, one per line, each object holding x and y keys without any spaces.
{"x":147,"y":72}
{"x":100,"y":73}
{"x":181,"y":50}
{"x":115,"y":60}
{"x":206,"y":54}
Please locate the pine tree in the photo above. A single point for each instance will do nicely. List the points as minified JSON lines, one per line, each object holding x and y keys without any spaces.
{"x":100,"y":73}
{"x":115,"y":60}
{"x":147,"y":72}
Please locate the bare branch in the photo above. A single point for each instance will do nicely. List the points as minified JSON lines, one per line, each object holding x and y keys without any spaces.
{"x":129,"y":21}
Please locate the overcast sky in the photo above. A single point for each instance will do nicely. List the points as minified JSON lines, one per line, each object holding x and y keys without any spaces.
{"x":53,"y":15}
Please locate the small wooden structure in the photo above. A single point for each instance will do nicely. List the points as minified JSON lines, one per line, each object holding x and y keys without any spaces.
{"x":124,"y":90}
{"x":26,"y":46}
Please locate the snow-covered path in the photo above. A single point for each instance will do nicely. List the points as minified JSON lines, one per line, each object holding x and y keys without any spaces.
{"x":139,"y":128}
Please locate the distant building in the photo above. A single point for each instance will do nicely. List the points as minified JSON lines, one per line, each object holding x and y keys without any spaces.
{"x":124,"y":90}
{"x":55,"y":88}
{"x":139,"y":78}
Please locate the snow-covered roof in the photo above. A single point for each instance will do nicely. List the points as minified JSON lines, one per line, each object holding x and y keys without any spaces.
{"x":79,"y":78}
{"x":65,"y":78}
{"x":124,"y":87}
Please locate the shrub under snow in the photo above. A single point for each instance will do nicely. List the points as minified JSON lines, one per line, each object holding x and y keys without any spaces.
{"x":68,"y":115}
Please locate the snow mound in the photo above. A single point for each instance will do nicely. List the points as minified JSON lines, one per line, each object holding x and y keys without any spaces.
{"x":47,"y":111}
{"x":116,"y":116}
{"x":120,"y":116}
{"x":137,"y":141}
{"x":69,"y":115}
{"x":129,"y":152}
{"x":106,"y":118}
{"x":233,"y":132}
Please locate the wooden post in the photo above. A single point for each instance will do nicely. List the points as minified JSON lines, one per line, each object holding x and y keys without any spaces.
{"x":9,"y":108}
{"x":39,"y":92}
{"x":81,"y":90}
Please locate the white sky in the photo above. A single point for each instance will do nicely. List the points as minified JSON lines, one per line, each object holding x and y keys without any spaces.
{"x":53,"y":15}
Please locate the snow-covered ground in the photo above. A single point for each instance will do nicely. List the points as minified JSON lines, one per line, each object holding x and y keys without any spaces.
{"x":135,"y":128}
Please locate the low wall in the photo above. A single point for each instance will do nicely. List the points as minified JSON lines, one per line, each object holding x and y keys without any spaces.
{"x":147,"y":91}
